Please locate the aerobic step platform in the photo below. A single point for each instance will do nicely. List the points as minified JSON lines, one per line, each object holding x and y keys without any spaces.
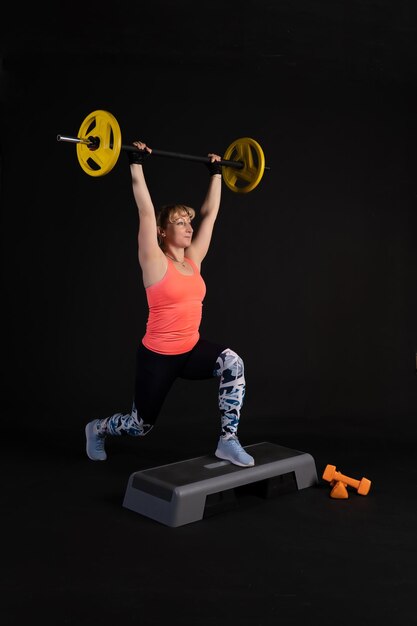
{"x":183,"y":492}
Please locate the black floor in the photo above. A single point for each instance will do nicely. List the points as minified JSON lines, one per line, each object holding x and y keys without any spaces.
{"x":73,"y":555}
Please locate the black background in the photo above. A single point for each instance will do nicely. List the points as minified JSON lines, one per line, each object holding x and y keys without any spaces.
{"x":311,"y":277}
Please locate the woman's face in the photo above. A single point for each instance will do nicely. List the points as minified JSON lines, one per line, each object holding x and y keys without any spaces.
{"x":179,"y":230}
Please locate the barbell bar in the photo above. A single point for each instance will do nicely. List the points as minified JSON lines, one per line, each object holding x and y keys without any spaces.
{"x":99,"y":143}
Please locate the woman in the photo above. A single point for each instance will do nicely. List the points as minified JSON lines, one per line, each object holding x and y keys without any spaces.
{"x":170,"y":259}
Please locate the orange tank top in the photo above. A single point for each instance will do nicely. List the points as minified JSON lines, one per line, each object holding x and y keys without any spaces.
{"x":175,"y":309}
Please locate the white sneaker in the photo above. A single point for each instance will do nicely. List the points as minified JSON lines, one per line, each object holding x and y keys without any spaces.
{"x":231,"y":450}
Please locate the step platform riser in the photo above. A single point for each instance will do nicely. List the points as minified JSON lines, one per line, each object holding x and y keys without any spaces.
{"x":177,"y":493}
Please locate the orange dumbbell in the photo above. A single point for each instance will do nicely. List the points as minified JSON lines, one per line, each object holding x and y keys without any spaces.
{"x":362,"y":486}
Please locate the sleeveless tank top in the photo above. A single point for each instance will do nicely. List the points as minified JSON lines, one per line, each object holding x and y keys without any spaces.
{"x":175,"y":310}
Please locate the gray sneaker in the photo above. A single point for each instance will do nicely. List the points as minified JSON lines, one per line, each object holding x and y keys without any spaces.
{"x":231,"y":450}
{"x":95,"y":443}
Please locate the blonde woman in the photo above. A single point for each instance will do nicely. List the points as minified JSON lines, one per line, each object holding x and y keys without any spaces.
{"x":170,"y":257}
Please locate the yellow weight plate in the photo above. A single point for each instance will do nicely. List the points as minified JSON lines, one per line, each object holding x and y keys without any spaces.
{"x":105,"y":127}
{"x":250,"y":153}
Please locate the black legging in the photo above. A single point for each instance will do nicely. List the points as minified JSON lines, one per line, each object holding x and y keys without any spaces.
{"x":156,"y":373}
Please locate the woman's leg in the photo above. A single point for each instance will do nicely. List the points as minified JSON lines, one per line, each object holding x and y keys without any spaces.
{"x":155,"y":374}
{"x":231,"y":371}
{"x":123,"y":424}
{"x":205,"y":361}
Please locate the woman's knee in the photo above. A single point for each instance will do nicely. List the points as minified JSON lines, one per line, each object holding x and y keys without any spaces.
{"x":230,"y":364}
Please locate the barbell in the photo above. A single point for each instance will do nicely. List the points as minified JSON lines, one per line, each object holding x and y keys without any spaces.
{"x":99,"y":143}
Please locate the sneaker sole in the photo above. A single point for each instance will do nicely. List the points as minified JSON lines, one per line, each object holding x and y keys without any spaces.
{"x":225,"y":458}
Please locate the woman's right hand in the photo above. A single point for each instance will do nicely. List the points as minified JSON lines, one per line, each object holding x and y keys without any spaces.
{"x":142,"y":146}
{"x":138,"y":156}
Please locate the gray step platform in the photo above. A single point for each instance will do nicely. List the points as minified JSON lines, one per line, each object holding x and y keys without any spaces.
{"x":177,"y":493}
